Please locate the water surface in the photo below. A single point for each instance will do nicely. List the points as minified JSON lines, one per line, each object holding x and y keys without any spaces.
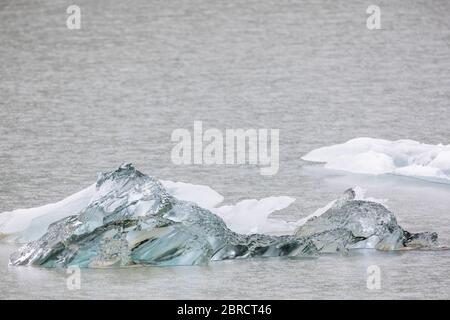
{"x":74,"y":103}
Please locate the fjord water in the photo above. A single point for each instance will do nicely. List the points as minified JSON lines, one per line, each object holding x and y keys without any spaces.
{"x":74,"y":103}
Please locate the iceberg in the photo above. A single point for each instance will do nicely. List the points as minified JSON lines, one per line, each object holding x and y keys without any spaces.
{"x":377,"y":156}
{"x":131,"y":219}
{"x":24,"y":225}
{"x":204,"y":196}
{"x":253,"y":216}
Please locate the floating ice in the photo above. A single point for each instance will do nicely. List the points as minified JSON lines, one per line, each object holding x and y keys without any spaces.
{"x":204,"y":196}
{"x":252,"y":216}
{"x":377,"y":156}
{"x":23,"y":225}
{"x":131,"y":219}
{"x":247,"y":216}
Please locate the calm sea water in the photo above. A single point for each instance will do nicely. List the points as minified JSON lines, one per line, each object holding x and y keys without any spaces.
{"x":76,"y":102}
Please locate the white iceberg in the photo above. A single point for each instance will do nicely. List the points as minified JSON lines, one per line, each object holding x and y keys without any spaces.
{"x":204,"y":196}
{"x":252,"y":216}
{"x":377,"y":156}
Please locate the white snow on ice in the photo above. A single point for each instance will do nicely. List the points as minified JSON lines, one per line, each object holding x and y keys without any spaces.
{"x":377,"y":156}
{"x":204,"y":196}
{"x":247,"y":216}
{"x":252,"y":216}
{"x":24,"y":225}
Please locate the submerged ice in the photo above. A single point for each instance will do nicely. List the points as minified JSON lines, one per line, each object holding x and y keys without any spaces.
{"x":131,"y":219}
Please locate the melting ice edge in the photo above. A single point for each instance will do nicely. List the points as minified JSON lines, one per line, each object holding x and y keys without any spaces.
{"x":133,"y":220}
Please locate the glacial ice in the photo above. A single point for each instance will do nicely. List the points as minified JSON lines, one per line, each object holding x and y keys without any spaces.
{"x":377,"y":156}
{"x":131,"y":219}
{"x":253,"y":216}
{"x":24,"y":225}
{"x":204,"y":196}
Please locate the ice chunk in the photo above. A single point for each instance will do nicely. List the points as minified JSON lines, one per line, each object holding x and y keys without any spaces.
{"x":23,"y":225}
{"x":370,"y":224}
{"x":131,"y":219}
{"x":356,"y":193}
{"x":378,"y":156}
{"x":252,"y":216}
{"x":204,"y":196}
{"x":247,"y":216}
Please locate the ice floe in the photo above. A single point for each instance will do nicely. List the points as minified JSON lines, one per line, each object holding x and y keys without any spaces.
{"x":377,"y":156}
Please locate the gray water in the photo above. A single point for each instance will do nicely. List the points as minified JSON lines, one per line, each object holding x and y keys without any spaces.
{"x":77,"y":102}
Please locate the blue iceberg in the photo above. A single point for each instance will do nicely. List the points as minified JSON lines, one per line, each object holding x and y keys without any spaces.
{"x":133,"y":220}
